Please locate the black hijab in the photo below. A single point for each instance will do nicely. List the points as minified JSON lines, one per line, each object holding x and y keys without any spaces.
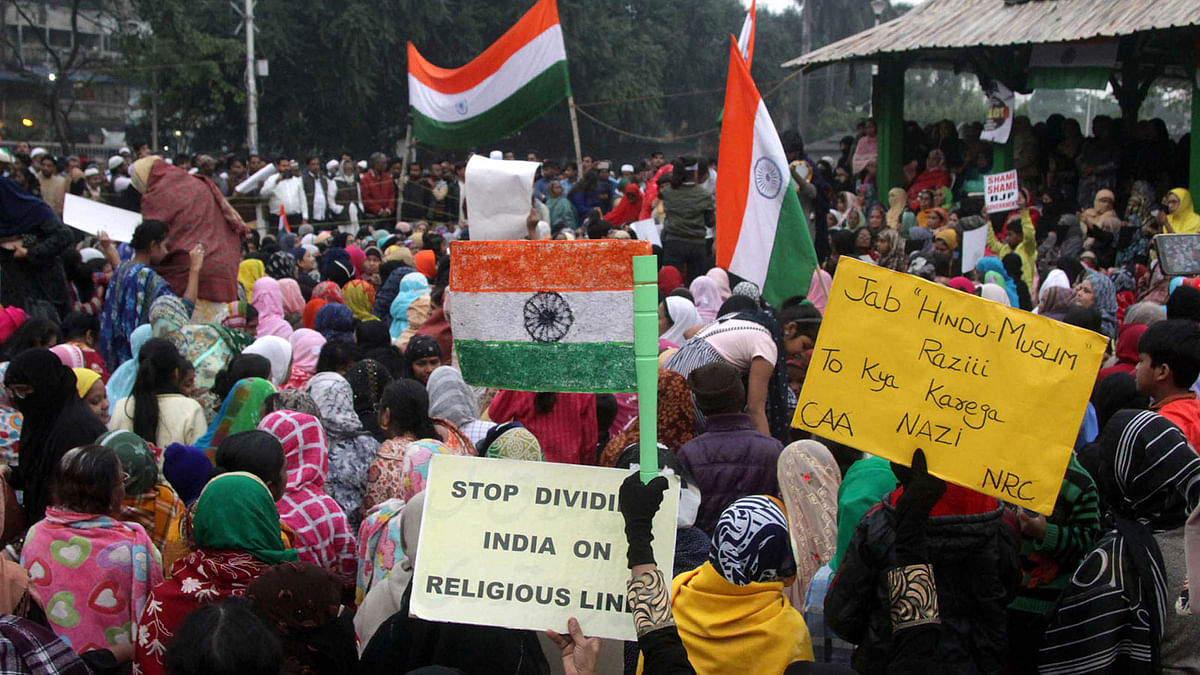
{"x":55,"y":420}
{"x":367,"y":379}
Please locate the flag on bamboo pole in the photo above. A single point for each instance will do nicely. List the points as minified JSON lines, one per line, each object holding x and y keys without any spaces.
{"x":762,"y":235}
{"x":545,"y":316}
{"x":283,"y":222}
{"x":746,"y":37}
{"x":512,"y":83}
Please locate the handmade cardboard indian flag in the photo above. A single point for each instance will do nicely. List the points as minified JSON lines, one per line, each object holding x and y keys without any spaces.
{"x":512,"y":83}
{"x":545,"y":315}
{"x":762,"y":235}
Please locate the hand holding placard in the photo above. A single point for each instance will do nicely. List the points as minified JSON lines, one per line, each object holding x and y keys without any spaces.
{"x":902,"y":363}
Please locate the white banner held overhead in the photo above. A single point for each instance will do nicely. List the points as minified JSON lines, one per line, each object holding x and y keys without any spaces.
{"x":1001,"y":104}
{"x":93,"y":217}
{"x":1000,"y":191}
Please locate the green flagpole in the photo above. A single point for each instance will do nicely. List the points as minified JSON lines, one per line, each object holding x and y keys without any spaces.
{"x":645,"y":351}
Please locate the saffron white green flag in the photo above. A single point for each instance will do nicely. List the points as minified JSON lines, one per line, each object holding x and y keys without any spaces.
{"x":512,"y":83}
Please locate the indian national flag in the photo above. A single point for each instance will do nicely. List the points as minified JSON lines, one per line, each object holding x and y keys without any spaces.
{"x":762,"y":235}
{"x":545,"y":316}
{"x":746,"y":37}
{"x":512,"y":83}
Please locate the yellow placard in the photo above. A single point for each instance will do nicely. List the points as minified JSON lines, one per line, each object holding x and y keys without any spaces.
{"x":993,"y":395}
{"x":529,"y":545}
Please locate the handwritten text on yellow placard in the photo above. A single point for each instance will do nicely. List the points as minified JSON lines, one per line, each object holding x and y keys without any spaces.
{"x":993,"y":395}
{"x":529,"y":545}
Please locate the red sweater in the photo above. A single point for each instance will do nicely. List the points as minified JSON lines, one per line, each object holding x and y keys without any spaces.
{"x":378,"y":194}
{"x":1184,"y":412}
{"x":567,"y":434}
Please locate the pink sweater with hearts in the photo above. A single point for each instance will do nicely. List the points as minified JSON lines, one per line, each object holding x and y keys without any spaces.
{"x":93,"y":575}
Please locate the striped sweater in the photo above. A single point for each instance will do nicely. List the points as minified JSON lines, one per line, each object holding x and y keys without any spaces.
{"x":1047,"y":565}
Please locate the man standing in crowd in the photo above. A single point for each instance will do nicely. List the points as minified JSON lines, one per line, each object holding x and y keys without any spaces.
{"x":378,"y":190}
{"x":286,"y":190}
{"x":52,"y":183}
{"x":417,"y":195}
{"x":320,"y":195}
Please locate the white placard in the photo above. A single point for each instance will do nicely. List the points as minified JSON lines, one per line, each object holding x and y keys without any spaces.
{"x":93,"y":217}
{"x":974,"y":245}
{"x":528,"y":545}
{"x":647,"y":230}
{"x":1001,"y":104}
{"x":498,"y":195}
{"x":1000,"y":191}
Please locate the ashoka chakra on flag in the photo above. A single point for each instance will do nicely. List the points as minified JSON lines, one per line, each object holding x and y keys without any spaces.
{"x":545,"y":316}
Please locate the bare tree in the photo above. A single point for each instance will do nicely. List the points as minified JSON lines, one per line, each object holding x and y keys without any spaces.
{"x":68,"y":65}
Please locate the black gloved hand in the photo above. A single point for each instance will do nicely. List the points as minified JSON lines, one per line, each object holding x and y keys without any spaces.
{"x":921,"y":492}
{"x":638,"y":504}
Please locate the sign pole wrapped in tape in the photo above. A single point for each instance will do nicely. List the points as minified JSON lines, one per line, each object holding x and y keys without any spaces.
{"x":645,"y":347}
{"x":993,"y":395}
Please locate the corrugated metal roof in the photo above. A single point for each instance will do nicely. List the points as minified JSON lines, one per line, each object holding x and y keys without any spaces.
{"x":955,"y":24}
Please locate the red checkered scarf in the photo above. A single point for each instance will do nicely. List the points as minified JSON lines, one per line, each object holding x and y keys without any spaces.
{"x":323,"y":534}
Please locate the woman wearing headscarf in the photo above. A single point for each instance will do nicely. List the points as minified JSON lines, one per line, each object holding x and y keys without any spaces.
{"x":308,"y":318}
{"x":721,"y":278}
{"x":676,"y":316}
{"x":335,"y":322}
{"x":250,"y":270}
{"x":1096,"y":291}
{"x":149,"y":500}
{"x":323,"y":535}
{"x":306,"y":349}
{"x":351,"y":446}
{"x":669,"y":278}
{"x":360,"y":297}
{"x":33,"y":272}
{"x":278,"y":351}
{"x":809,"y":479}
{"x":120,"y":384}
{"x":208,"y":348}
{"x":301,"y":602}
{"x":240,"y":412}
{"x":374,"y":340}
{"x":731,"y":612}
{"x":234,"y":532}
{"x":898,"y":216}
{"x":451,"y":399}
{"x":293,"y":301}
{"x":891,"y":251}
{"x":390,"y":289}
{"x":281,"y":265}
{"x":336,"y":266}
{"x":1126,"y":352}
{"x":511,"y":441}
{"x":993,"y":266}
{"x":91,"y":390}
{"x":414,"y":290}
{"x":367,"y":379}
{"x":198,"y":216}
{"x":405,"y":421}
{"x":95,"y":571}
{"x":426,"y":263}
{"x":1181,"y":215}
{"x":54,"y":420}
{"x":676,"y":419}
{"x":995,"y":293}
{"x":134,"y":288}
{"x":423,"y":355}
{"x":357,"y":257}
{"x":1111,"y":617}
{"x":329,"y":292}
{"x":707,"y":297}
{"x":268,"y":300}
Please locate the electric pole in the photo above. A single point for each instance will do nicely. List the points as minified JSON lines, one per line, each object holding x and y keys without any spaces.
{"x":251,"y":82}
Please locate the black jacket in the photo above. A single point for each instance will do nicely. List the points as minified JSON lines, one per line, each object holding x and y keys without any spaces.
{"x":973,"y":546}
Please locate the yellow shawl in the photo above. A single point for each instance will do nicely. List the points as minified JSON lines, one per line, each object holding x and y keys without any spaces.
{"x":1184,"y":220}
{"x":736,"y":629}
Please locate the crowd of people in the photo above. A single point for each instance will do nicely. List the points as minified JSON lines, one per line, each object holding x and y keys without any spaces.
{"x":216,"y":436}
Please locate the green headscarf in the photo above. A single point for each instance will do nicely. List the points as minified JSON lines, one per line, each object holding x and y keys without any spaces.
{"x":516,"y":443}
{"x":137,"y":460}
{"x":240,"y":411}
{"x":864,"y":485}
{"x":235,"y":512}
